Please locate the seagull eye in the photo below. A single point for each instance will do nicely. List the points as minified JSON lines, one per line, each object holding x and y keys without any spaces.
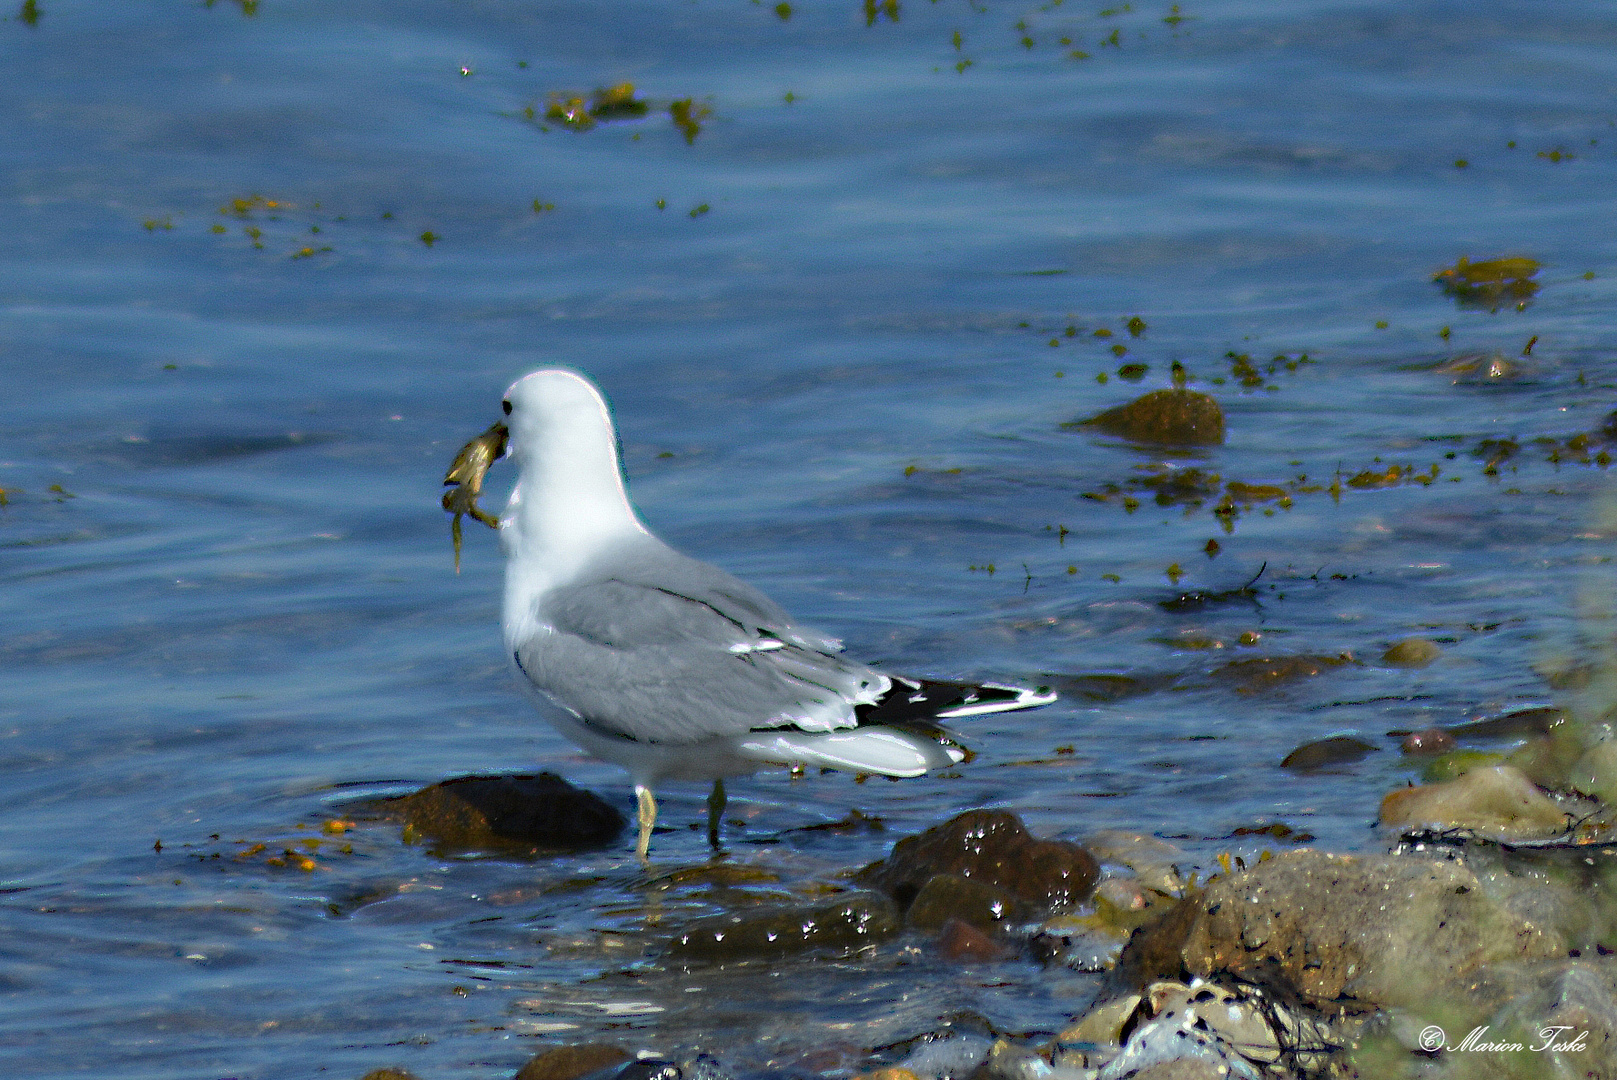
{"x":506,"y":405}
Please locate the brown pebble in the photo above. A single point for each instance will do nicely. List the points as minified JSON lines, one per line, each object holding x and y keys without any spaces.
{"x":959,"y":941}
{"x":1433,"y":740}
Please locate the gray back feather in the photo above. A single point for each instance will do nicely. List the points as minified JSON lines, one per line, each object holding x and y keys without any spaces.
{"x":662,"y":648}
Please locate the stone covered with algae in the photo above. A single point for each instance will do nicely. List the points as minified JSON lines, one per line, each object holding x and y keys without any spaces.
{"x":1498,"y":801}
{"x":1176,"y":417}
{"x":521,"y":814}
{"x":990,"y":847}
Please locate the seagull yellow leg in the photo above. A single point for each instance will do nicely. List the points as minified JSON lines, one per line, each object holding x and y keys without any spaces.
{"x":715,"y":809}
{"x":647,"y":815}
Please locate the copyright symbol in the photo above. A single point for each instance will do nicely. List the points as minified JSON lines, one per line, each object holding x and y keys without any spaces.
{"x":1432,"y":1038}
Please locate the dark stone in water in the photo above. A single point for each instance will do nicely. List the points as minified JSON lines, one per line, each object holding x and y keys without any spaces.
{"x":1337,"y":750}
{"x":1427,"y":743}
{"x":389,"y":1074}
{"x":509,"y":813}
{"x":1260,"y":673}
{"x":849,"y":924}
{"x":1538,"y":720}
{"x":1103,"y":687}
{"x":992,"y":847}
{"x":571,"y":1062}
{"x":1164,"y":417}
{"x":950,"y":897}
{"x":961,"y":942}
{"x":1412,"y":652}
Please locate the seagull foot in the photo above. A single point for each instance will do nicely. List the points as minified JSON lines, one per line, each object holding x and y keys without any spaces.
{"x":647,"y":816}
{"x":716,"y":801}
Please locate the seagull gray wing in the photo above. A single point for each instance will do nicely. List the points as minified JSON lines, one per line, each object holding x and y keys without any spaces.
{"x":656,"y":647}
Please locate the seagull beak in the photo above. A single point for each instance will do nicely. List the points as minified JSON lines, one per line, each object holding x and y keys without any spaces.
{"x":466,"y":475}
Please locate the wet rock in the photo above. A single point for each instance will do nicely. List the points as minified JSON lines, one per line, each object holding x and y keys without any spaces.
{"x":992,"y":847}
{"x":1103,"y":1023}
{"x":961,"y":942}
{"x":1412,"y":652}
{"x":1176,"y":417}
{"x":1456,"y":763}
{"x":850,"y":923}
{"x":1547,"y":760}
{"x":1595,"y":773}
{"x":1336,"y":750}
{"x":1199,"y":1068}
{"x":1264,"y":673}
{"x":1155,"y":862}
{"x":1427,"y":742}
{"x":948,"y":897}
{"x":1103,"y":687}
{"x":1123,"y":894}
{"x":1537,"y":720}
{"x":571,"y":1062}
{"x":648,"y":1069}
{"x":1347,"y":933}
{"x":1187,"y":1030}
{"x":956,"y":1055}
{"x":701,"y":1067}
{"x":1082,"y":944}
{"x":1479,"y":367}
{"x":891,"y":1072}
{"x":1572,"y":1007}
{"x":508,"y":814}
{"x":389,"y":1074}
{"x":1497,"y":802}
{"x":1013,"y":1061}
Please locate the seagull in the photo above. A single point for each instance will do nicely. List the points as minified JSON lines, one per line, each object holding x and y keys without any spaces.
{"x":664,"y":665}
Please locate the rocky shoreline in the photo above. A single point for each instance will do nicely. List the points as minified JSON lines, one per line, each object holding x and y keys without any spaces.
{"x":1480,"y":945}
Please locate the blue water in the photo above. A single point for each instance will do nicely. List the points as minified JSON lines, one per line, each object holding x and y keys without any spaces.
{"x":844,"y":381}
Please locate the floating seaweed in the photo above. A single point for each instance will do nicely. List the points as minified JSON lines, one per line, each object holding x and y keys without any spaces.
{"x":1491,"y":282}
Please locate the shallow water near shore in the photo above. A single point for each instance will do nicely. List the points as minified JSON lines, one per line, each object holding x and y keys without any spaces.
{"x":268,"y":265}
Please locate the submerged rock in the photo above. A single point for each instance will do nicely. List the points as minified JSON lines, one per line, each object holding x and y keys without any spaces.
{"x":1336,"y":750}
{"x":990,"y":847}
{"x":571,"y":1062}
{"x":1498,"y":802}
{"x":521,"y":814}
{"x":1456,"y":763}
{"x":962,"y":943}
{"x":1427,"y":742}
{"x":1260,"y":673}
{"x":1412,"y":652}
{"x":952,"y":898}
{"x":1175,"y":417}
{"x":1155,"y":862}
{"x":852,"y":922}
{"x":1534,"y":720}
{"x":1595,"y":772}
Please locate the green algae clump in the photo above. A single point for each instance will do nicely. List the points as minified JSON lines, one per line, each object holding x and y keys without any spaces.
{"x":1491,"y":282}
